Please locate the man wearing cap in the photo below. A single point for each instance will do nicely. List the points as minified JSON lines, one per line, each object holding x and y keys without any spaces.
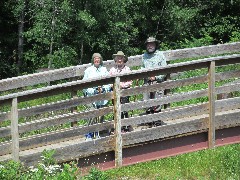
{"x":153,"y":58}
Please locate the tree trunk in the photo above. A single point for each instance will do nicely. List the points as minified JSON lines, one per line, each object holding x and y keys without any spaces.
{"x":20,"y":38}
{"x":81,"y":56}
{"x":52,"y":38}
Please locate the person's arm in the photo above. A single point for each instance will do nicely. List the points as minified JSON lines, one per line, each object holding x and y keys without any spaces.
{"x":163,"y":62}
{"x":107,"y":87}
{"x":88,"y":91}
{"x":126,"y":84}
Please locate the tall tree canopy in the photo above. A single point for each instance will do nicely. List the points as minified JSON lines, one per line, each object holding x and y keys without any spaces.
{"x":58,"y":33}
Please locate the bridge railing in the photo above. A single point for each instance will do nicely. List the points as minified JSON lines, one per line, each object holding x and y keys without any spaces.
{"x":77,"y":71}
{"x":208,"y":115}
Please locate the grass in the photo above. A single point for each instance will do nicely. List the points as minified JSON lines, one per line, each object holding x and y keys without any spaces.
{"x":218,"y":163}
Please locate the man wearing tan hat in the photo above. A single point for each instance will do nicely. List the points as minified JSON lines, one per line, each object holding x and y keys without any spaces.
{"x":153,"y":58}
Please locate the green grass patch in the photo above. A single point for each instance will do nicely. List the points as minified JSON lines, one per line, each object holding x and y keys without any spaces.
{"x":218,"y":163}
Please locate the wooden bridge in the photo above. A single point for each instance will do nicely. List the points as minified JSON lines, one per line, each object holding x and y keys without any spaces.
{"x":59,"y":119}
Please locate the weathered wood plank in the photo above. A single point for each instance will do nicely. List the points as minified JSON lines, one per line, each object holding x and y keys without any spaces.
{"x":76,"y":148}
{"x":68,"y":150}
{"x":74,"y":109}
{"x":228,"y":88}
{"x":178,"y":97}
{"x":14,"y":130}
{"x":73,"y":71}
{"x":182,"y":126}
{"x":117,"y":123}
{"x":57,"y":120}
{"x":178,"y":83}
{"x":78,"y":85}
{"x":227,"y":75}
{"x":164,"y":85}
{"x":203,"y":51}
{"x":64,"y":104}
{"x":37,"y":78}
{"x":211,"y":97}
{"x":181,"y":67}
{"x":54,"y":137}
{"x":181,"y":112}
{"x":56,"y":89}
{"x":167,"y":116}
{"x":126,"y":107}
{"x":164,"y":100}
{"x":59,"y":105}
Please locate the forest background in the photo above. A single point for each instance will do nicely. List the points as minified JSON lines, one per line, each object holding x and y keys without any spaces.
{"x":36,"y":34}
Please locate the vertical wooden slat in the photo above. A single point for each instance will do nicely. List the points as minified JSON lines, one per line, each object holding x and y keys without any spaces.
{"x":74,"y":95}
{"x":211,"y":95}
{"x":117,"y":123}
{"x":14,"y":130}
{"x":167,"y":91}
{"x":74,"y":109}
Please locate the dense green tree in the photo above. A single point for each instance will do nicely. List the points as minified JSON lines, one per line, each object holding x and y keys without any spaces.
{"x":46,"y":35}
{"x":8,"y":41}
{"x":59,"y":33}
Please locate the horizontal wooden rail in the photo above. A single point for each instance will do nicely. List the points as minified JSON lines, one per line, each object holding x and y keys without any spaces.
{"x":56,"y":120}
{"x":81,"y":84}
{"x":75,"y":149}
{"x":76,"y":71}
{"x":65,"y":104}
{"x":167,"y":116}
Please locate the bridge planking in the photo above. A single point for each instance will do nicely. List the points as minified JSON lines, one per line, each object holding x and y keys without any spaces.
{"x":78,"y":148}
{"x":70,"y":133}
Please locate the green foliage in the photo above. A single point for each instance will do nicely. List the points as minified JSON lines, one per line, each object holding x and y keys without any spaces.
{"x":47,"y":157}
{"x":62,"y":33}
{"x":95,"y":174}
{"x":48,"y":170}
{"x":10,"y":170}
{"x":218,"y":163}
{"x":235,"y":36}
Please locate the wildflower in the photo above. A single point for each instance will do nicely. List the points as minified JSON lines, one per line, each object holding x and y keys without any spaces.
{"x":32,"y":169}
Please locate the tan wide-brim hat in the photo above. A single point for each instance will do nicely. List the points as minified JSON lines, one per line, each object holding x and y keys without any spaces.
{"x":120,"y":53}
{"x":152,"y":39}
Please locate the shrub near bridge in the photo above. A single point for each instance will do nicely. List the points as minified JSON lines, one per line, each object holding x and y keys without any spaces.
{"x":219,"y":163}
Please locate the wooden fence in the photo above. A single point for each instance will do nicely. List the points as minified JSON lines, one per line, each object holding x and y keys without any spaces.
{"x":49,"y":121}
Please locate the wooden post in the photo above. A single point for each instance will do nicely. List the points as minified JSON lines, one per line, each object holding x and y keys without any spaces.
{"x":117,"y":123}
{"x":211,"y":96}
{"x":167,"y":91}
{"x":14,"y":130}
{"x":74,"y":109}
{"x":74,"y":95}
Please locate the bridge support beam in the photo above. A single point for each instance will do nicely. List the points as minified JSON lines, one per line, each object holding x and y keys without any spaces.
{"x":211,"y":99}
{"x":14,"y":130}
{"x":117,"y":123}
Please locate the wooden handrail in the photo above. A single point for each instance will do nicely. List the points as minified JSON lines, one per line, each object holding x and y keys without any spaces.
{"x":137,"y":74}
{"x":76,"y":71}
